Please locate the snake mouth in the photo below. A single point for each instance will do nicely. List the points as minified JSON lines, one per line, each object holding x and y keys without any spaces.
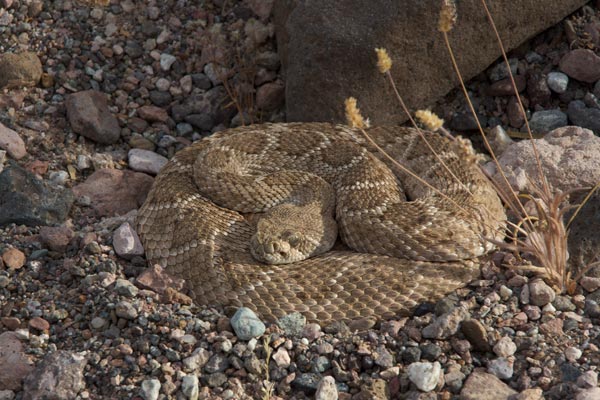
{"x":275,"y":251}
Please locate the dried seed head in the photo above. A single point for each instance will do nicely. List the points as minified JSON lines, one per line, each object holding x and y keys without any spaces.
{"x":447,"y":16}
{"x":429,"y":119}
{"x":384,"y":62}
{"x":353,"y":117}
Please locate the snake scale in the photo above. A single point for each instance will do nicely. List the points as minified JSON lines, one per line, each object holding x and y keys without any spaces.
{"x":248,"y":217}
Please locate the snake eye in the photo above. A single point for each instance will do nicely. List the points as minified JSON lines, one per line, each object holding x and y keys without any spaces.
{"x":293,"y":239}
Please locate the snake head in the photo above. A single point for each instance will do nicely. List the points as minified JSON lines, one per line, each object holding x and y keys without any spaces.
{"x":280,"y":247}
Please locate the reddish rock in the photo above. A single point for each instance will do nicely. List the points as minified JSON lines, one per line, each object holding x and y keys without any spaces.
{"x":39,"y":323}
{"x":153,"y":114}
{"x":115,"y":192}
{"x":504,"y":87}
{"x":515,"y":116}
{"x":154,"y":278}
{"x":12,"y":143}
{"x":89,"y":116}
{"x":37,"y":167}
{"x":11,"y":354}
{"x":13,"y":258}
{"x":11,"y":323}
{"x":581,"y":64}
{"x":481,"y":385}
{"x":58,"y":376}
{"x":270,"y":95}
{"x":56,"y":238}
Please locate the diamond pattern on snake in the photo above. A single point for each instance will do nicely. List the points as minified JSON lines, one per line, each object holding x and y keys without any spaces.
{"x":310,"y":217}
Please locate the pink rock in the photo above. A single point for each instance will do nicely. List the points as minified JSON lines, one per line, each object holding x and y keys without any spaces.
{"x":569,"y":158}
{"x":126,"y":242}
{"x":11,"y":354}
{"x":89,"y":116}
{"x":154,"y":278}
{"x":115,"y":192}
{"x":505,"y":87}
{"x":13,"y":258}
{"x":12,"y":143}
{"x":581,"y":64}
{"x":39,"y":323}
{"x":153,"y":114}
{"x":481,"y":385}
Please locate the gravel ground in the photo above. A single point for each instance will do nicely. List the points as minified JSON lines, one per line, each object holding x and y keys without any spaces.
{"x":81,"y":317}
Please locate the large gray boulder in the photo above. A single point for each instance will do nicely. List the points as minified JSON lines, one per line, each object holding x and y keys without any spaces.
{"x":327,"y":50}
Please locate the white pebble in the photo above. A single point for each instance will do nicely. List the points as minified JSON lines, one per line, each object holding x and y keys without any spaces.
{"x":424,"y":375}
{"x":150,"y":389}
{"x":146,"y":161}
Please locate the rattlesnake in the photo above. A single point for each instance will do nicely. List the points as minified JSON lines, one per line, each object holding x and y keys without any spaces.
{"x":401,"y":252}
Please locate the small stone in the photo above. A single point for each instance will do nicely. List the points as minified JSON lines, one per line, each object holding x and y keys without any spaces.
{"x":59,"y":178}
{"x":270,"y":96}
{"x":12,"y":143}
{"x":481,"y":385}
{"x":89,"y":116}
{"x":246,"y":324}
{"x":530,"y":394}
{"x":146,"y":161}
{"x":540,"y":293}
{"x":446,"y":324}
{"x":505,"y":87}
{"x":505,"y":347}
{"x":292,"y":324}
{"x":383,"y":357}
{"x":12,"y":353}
{"x":189,"y":386}
{"x":476,"y":334}
{"x":19,"y":69}
{"x":326,"y":390}
{"x":98,"y":323}
{"x":589,"y":379}
{"x":583,"y":116}
{"x":153,"y":114}
{"x":558,"y":82}
{"x":572,"y":354}
{"x":155,"y":279}
{"x":217,"y":363}
{"x":126,"y":288}
{"x":282,"y":358}
{"x":150,"y":389}
{"x":126,"y":242}
{"x":501,"y":367}
{"x":591,"y":284}
{"x":125,"y":309}
{"x":581,"y":64}
{"x":39,"y":323}
{"x":13,"y":258}
{"x":166,"y":61}
{"x":424,"y":375}
{"x":547,"y":120}
{"x":588,"y":394}
{"x":60,"y":375}
{"x":56,"y":238}
{"x":499,"y":71}
{"x":197,"y":360}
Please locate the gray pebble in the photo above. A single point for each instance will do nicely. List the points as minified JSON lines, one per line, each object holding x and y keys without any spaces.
{"x":326,"y":390}
{"x":166,"y":61}
{"x":59,"y":177}
{"x":189,"y":386}
{"x":145,"y":161}
{"x":292,"y":323}
{"x":217,"y":363}
{"x":125,"y":309}
{"x":246,"y":324}
{"x":583,"y":116}
{"x":557,"y":81}
{"x":547,"y":120}
{"x":150,"y":389}
{"x":125,"y":288}
{"x":501,"y":367}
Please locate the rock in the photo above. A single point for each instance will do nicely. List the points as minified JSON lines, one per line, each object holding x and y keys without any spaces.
{"x":588,"y":394}
{"x":39,"y":323}
{"x":270,"y":96}
{"x":326,"y":390}
{"x":153,"y":114}
{"x":125,"y":309}
{"x":476,"y":334}
{"x":89,"y":116}
{"x":424,"y":375}
{"x":56,"y":238}
{"x":584,"y":237}
{"x":125,"y":288}
{"x":282,"y":357}
{"x":501,"y":367}
{"x":516,"y":119}
{"x":581,"y":64}
{"x":568,"y":156}
{"x":114,"y":192}
{"x":29,"y":201}
{"x":505,"y":87}
{"x":58,"y":376}
{"x":246,"y":324}
{"x":583,"y":116}
{"x":540,"y":293}
{"x":572,"y":354}
{"x":343,"y":63}
{"x":189,"y":386}
{"x":154,"y":278}
{"x":204,"y":122}
{"x":538,"y":91}
{"x":588,"y":379}
{"x":126,"y":242}
{"x":591,"y":284}
{"x":483,"y":386}
{"x":292,"y":324}
{"x":530,"y":394}
{"x":146,"y":161}
{"x":557,"y":82}
{"x":446,"y":324}
{"x":213,"y":102}
{"x":505,"y":347}
{"x":23,"y":69}
{"x":150,"y":389}
{"x":12,"y":143}
{"x":547,"y":120}
{"x":12,"y":354}
{"x":13,"y":258}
